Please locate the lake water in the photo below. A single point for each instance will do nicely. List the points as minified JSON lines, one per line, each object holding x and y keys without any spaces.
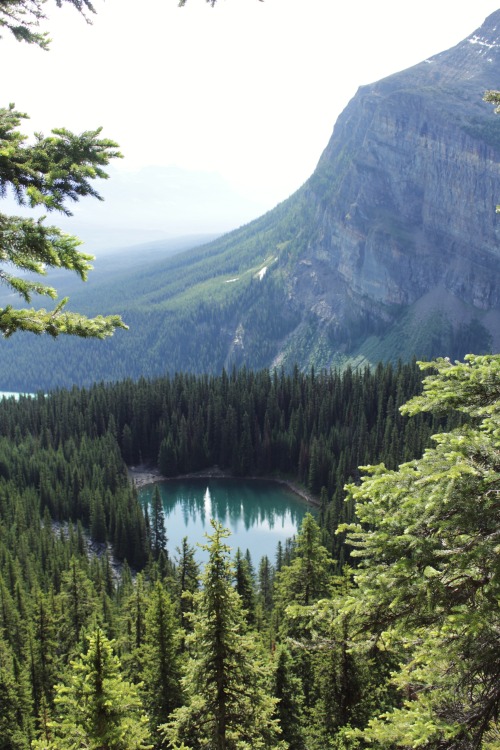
{"x":258,"y":513}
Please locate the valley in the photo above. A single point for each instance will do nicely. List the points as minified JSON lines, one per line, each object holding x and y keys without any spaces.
{"x":249,"y":518}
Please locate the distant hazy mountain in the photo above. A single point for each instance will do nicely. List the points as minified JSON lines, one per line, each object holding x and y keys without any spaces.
{"x":391,"y":249}
{"x":152,"y":204}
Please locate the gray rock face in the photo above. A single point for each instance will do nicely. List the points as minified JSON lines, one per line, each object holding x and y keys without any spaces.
{"x":390,"y":250}
{"x":403,"y":204}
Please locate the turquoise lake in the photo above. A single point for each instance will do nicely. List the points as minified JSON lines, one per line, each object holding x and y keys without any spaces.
{"x":258,"y":513}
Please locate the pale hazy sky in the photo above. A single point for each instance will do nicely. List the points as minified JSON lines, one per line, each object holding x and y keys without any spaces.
{"x":248,"y":90}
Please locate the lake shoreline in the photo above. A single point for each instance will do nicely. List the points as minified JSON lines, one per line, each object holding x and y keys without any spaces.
{"x":142,"y":476}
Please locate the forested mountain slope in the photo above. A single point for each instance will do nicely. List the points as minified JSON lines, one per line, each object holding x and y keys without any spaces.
{"x":389,"y":250}
{"x":399,"y":649}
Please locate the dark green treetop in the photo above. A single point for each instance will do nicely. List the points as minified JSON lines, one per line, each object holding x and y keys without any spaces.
{"x":229,"y":706}
{"x":95,"y":706}
{"x":160,"y":658}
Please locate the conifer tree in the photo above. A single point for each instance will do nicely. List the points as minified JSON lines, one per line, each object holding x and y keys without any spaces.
{"x":98,"y":530}
{"x":300,"y":583}
{"x":308,"y":576}
{"x":429,"y":578}
{"x":10,"y":623}
{"x":157,"y":528}
{"x":43,"y":650}
{"x":22,"y":18}
{"x":134,"y":628}
{"x":279,"y":557}
{"x":287,"y":688}
{"x":31,"y":245}
{"x":229,"y":706}
{"x":15,"y":721}
{"x":160,"y":658}
{"x":245,"y":448}
{"x":265,"y":591}
{"x":95,"y":707}
{"x":79,"y":604}
{"x":187,"y":579}
{"x":167,"y":459}
{"x":244,"y":586}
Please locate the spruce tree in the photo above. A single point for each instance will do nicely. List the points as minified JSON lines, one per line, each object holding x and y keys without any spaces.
{"x":15,"y":720}
{"x":160,"y":658}
{"x":98,"y":529}
{"x":95,"y":707}
{"x":29,"y":244}
{"x":287,"y":688}
{"x":308,"y":576}
{"x":187,"y":580}
{"x":429,"y":579}
{"x":51,"y":172}
{"x":134,"y":628}
{"x":229,"y":706}
{"x":43,"y":650}
{"x":266,"y":577}
{"x":244,"y":586}
{"x":79,"y":604}
{"x":157,"y":520}
{"x":301,"y":583}
{"x":167,"y":459}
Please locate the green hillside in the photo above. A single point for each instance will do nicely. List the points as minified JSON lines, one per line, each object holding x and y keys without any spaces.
{"x":183,"y":312}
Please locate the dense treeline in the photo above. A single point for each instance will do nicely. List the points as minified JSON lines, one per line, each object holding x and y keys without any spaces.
{"x":79,"y":478}
{"x":316,"y":429}
{"x":99,"y":621}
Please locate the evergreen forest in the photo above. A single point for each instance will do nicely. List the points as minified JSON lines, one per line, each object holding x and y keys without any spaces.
{"x":376,"y":625}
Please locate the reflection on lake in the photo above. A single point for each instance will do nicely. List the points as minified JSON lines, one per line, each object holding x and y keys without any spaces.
{"x":258,"y":513}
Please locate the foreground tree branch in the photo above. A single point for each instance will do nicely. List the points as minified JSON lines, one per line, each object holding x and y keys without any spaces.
{"x":22,"y":18}
{"x":48,"y":173}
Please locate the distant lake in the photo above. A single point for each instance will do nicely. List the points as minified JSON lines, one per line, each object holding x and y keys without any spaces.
{"x":258,"y":513}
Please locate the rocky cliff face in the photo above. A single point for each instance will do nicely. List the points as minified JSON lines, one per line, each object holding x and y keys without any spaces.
{"x":390,"y":250}
{"x":403,"y":201}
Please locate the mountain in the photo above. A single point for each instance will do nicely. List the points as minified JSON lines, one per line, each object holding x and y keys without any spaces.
{"x":151,"y":204}
{"x":391,"y":249}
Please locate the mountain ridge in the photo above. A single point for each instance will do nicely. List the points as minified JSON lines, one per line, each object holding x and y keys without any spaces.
{"x":389,"y":250}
